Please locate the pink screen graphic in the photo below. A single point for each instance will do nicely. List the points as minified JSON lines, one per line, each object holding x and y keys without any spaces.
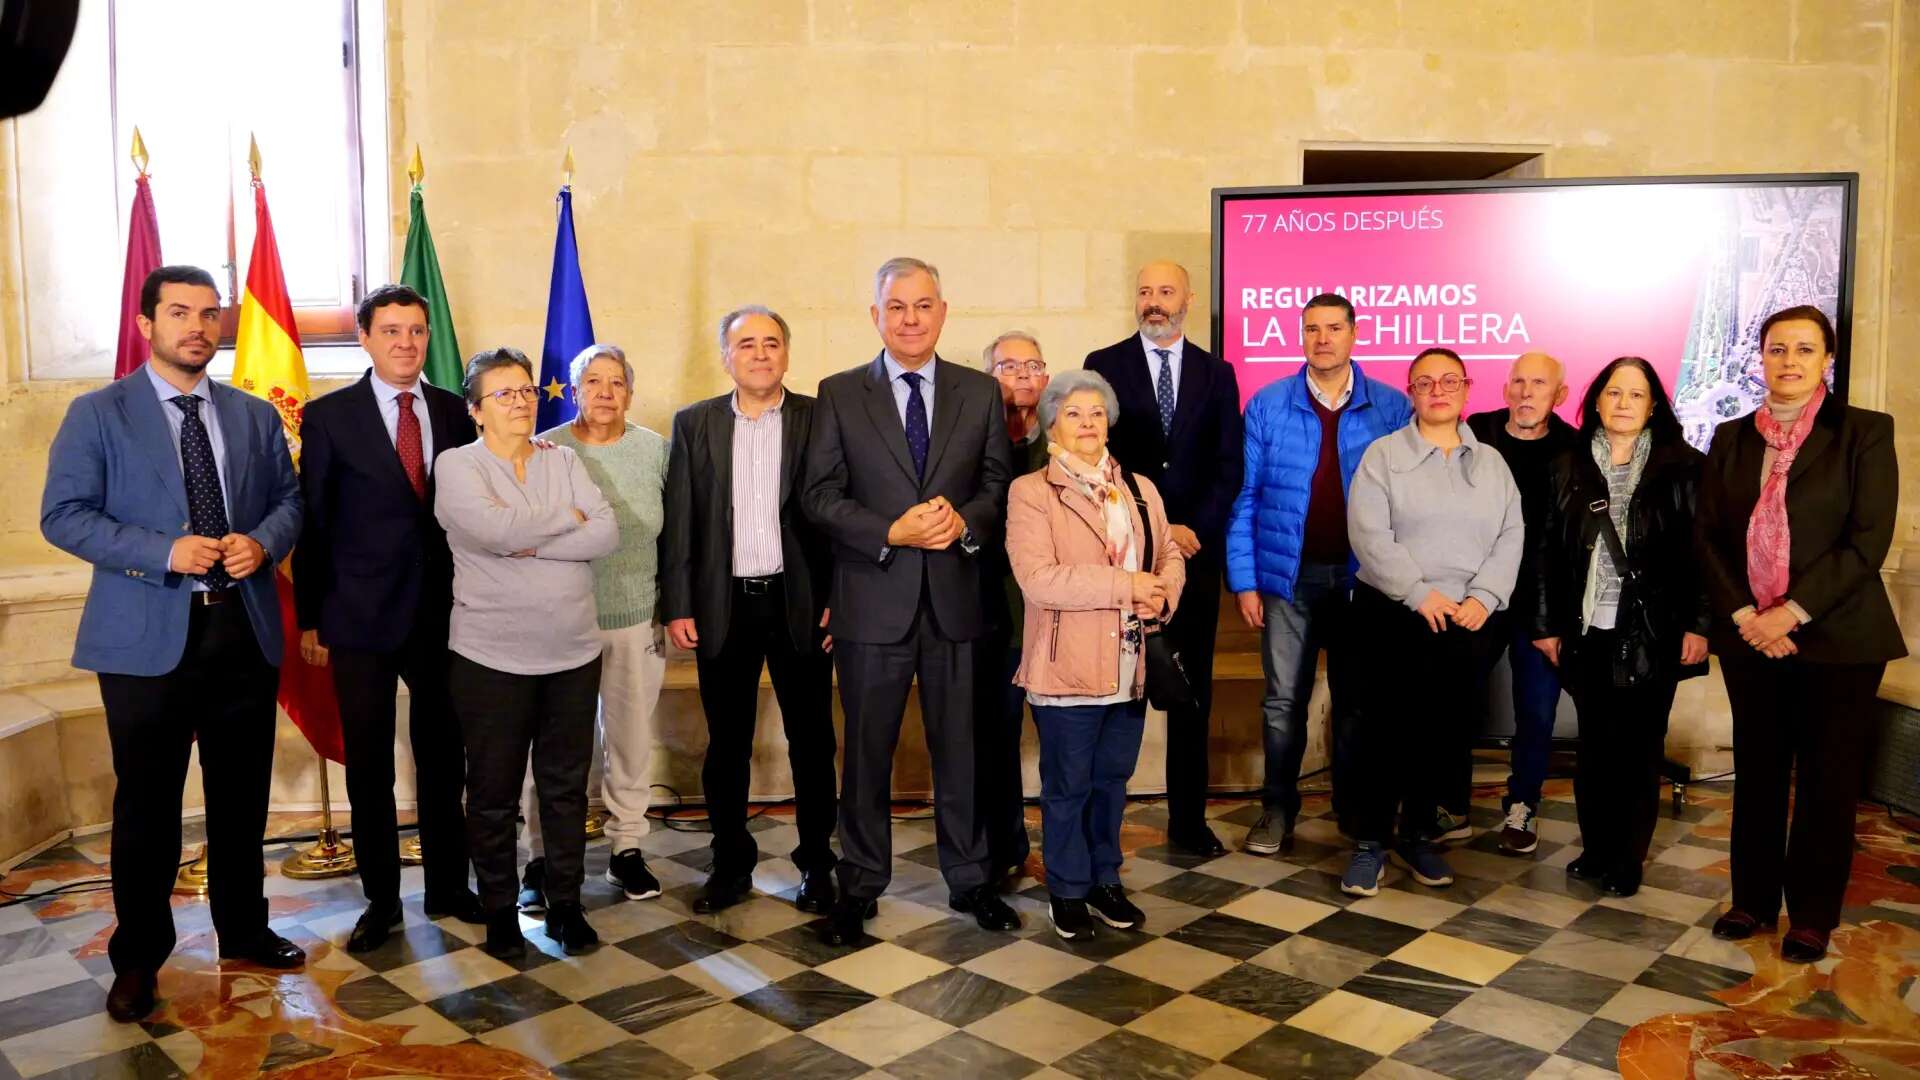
{"x":1678,"y":273}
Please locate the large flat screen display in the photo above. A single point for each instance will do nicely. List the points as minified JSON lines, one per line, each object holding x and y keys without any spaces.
{"x":1679,"y":270}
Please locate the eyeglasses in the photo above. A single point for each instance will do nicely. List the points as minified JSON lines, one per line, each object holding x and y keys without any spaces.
{"x":1016,"y":367}
{"x":504,"y":398}
{"x":1448,"y":383}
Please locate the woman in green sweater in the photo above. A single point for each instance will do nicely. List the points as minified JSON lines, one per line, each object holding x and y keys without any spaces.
{"x":629,"y":464}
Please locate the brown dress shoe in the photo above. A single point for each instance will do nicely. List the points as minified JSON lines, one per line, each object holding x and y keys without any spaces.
{"x":131,"y":997}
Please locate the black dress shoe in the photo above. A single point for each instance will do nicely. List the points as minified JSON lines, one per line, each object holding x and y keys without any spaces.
{"x":991,"y":912}
{"x":722,"y":893}
{"x":504,"y":940}
{"x":462,"y":905}
{"x":567,"y":924}
{"x":269,"y":950}
{"x":1736,"y":925}
{"x":1803,"y":946}
{"x":1198,"y":842}
{"x":846,"y":925}
{"x":816,"y":892}
{"x":131,"y":997}
{"x":1586,"y":868}
{"x":371,"y":931}
{"x":1621,"y":882}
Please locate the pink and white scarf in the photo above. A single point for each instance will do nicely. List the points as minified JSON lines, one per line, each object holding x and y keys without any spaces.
{"x":1103,"y":487}
{"x":1769,"y":538}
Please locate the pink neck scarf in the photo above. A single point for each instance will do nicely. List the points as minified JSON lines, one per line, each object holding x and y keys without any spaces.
{"x":1769,"y":539}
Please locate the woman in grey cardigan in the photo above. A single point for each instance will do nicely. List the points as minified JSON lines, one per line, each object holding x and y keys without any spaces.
{"x":1434,"y":518}
{"x":523,"y":523}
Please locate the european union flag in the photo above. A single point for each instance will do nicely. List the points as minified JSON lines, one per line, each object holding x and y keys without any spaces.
{"x":569,"y":325}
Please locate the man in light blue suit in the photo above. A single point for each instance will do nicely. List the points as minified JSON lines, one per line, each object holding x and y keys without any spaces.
{"x":181,"y":493}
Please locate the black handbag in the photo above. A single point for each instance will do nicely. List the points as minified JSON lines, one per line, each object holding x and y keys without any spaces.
{"x":1167,"y":685}
{"x":1633,"y":665}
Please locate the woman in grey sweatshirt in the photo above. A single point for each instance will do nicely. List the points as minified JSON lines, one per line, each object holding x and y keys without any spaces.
{"x":523,"y":524}
{"x":1435,"y":522}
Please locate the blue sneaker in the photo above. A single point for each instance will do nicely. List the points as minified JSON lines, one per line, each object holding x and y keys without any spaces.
{"x":1425,"y":862}
{"x":1363,"y":874}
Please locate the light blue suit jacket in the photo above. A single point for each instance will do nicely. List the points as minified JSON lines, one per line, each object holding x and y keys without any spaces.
{"x":117,"y":498}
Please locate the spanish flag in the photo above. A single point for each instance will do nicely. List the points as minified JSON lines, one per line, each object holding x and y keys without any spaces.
{"x":267,"y":363}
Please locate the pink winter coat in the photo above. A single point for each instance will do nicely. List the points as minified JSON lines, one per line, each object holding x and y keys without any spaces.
{"x":1057,"y":543}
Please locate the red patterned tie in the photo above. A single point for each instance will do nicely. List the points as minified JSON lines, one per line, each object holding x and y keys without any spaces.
{"x":407,"y":441}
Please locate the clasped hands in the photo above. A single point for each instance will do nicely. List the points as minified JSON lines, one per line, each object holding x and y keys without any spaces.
{"x":1767,"y":631}
{"x":239,"y":553}
{"x":933,"y":525}
{"x":1468,"y":614}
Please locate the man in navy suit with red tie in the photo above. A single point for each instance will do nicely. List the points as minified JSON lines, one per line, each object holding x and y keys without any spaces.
{"x":373,"y":588}
{"x":1180,"y":427}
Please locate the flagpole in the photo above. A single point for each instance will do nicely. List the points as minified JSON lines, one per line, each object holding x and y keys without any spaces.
{"x":331,"y":856}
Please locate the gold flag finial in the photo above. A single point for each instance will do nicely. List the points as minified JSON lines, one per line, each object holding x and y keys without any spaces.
{"x":139,"y":154}
{"x":566,"y":167}
{"x":416,"y":170}
{"x":253,"y":155}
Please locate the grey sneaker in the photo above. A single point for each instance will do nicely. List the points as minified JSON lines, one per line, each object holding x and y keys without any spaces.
{"x":1271,"y":835}
{"x":1519,"y":835}
{"x":1448,"y":827}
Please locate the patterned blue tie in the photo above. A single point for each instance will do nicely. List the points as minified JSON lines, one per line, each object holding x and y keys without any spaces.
{"x":917,"y":438}
{"x":207,"y":511}
{"x":1163,"y":390}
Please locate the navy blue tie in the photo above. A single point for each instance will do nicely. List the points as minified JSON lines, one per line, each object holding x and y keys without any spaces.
{"x":917,"y":438}
{"x":1163,"y":390}
{"x":206,"y":509}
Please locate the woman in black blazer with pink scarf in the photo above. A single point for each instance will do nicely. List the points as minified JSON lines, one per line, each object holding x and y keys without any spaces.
{"x":1796,"y":515}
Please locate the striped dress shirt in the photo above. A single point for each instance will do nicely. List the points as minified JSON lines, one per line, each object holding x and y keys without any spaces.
{"x":757,"y":550}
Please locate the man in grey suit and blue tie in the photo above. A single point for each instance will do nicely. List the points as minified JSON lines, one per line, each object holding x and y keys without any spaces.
{"x":907,"y":472}
{"x":181,"y":493}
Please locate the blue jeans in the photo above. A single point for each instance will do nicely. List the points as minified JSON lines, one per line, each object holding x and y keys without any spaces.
{"x":1536,"y":698}
{"x":1295,"y":632}
{"x":1087,"y":752}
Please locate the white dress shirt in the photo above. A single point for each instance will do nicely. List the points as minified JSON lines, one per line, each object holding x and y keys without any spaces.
{"x":1153,"y":362}
{"x":901,"y":391}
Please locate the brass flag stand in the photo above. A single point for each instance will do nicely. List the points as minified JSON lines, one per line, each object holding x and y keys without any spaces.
{"x":331,"y":856}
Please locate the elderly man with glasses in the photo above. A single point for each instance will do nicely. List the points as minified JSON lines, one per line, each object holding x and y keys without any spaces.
{"x":1015,"y":361}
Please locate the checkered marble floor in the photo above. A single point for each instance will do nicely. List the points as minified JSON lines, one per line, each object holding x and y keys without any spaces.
{"x":1247,"y":966}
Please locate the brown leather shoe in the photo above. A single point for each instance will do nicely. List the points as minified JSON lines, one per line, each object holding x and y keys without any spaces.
{"x":1803,"y":946}
{"x":131,"y":997}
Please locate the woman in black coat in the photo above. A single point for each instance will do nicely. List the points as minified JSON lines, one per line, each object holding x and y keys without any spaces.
{"x":1796,"y":514}
{"x":1625,"y":621}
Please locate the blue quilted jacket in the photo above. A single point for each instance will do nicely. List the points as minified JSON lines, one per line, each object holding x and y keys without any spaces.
{"x":1282,"y":447}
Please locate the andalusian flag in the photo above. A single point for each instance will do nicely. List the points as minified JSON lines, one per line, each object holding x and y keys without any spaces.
{"x":267,"y":363}
{"x":143,"y":258}
{"x":421,"y":271}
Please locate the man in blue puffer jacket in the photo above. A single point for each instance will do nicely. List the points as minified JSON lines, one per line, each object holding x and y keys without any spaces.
{"x":1288,"y":559}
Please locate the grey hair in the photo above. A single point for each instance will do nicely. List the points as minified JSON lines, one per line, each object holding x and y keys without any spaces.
{"x":1068,"y":383}
{"x":986,"y":354}
{"x":491,"y":360}
{"x":584,"y":359}
{"x":734,"y":316}
{"x":898,"y":267}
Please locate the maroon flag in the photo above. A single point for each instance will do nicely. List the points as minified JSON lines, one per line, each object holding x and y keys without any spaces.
{"x":143,"y":258}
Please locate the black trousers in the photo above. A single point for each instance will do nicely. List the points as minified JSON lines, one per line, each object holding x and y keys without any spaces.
{"x":1807,"y":728}
{"x":874,"y":681}
{"x":365,"y":683}
{"x":757,"y":634}
{"x":1419,"y":709}
{"x":1193,"y":628}
{"x":999,"y":709}
{"x":504,"y":717}
{"x":222,"y":693}
{"x":1623,"y":738}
